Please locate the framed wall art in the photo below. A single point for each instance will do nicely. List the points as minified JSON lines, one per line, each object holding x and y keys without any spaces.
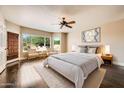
{"x":92,"y":35}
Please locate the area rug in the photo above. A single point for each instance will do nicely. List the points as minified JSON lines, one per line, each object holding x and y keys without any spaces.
{"x":55,"y":80}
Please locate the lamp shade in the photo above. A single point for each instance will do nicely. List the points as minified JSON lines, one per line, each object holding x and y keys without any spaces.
{"x":107,"y":49}
{"x":74,"y":47}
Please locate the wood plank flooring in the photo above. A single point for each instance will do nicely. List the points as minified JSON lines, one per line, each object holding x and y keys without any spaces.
{"x":26,"y":76}
{"x":114,"y":77}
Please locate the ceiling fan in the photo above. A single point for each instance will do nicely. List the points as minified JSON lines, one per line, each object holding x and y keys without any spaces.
{"x":65,"y":23}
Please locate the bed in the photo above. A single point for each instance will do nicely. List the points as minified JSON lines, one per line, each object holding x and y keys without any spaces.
{"x":74,"y":66}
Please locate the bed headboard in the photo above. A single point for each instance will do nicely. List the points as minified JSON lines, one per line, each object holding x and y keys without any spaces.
{"x":99,"y":48}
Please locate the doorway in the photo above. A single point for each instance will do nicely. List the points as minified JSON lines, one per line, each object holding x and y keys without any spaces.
{"x":12,"y":45}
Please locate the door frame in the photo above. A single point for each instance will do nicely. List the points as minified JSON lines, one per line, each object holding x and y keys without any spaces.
{"x":17,"y":35}
{"x":3,"y":47}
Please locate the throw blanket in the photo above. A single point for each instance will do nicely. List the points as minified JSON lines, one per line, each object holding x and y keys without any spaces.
{"x":87,"y":62}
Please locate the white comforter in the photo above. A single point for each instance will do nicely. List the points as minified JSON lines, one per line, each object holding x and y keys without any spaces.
{"x":74,"y":66}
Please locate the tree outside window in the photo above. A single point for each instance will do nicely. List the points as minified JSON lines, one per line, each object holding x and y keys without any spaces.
{"x":56,"y":44}
{"x":33,"y":41}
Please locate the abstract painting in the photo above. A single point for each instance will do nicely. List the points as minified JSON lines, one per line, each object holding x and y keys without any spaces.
{"x":92,"y":35}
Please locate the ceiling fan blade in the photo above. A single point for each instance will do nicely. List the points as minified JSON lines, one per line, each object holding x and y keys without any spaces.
{"x":61,"y":26}
{"x":71,"y":22}
{"x":68,"y":26}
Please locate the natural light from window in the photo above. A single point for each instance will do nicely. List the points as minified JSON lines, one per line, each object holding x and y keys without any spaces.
{"x":36,"y":42}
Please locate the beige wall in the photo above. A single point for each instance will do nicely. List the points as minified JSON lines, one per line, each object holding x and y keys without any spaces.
{"x":63,"y":42}
{"x":35,"y":31}
{"x":111,"y":34}
{"x":2,"y":20}
{"x":11,"y":27}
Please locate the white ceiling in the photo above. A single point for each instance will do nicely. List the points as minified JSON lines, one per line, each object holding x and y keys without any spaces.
{"x":45,"y":17}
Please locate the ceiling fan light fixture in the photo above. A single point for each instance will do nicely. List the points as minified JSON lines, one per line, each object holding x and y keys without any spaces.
{"x":65,"y":23}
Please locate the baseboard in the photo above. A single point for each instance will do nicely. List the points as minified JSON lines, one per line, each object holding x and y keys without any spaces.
{"x":9,"y":61}
{"x":118,"y":63}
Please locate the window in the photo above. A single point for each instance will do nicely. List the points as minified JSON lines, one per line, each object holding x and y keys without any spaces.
{"x":37,"y":41}
{"x":26,"y":41}
{"x":47,"y":42}
{"x":33,"y":41}
{"x":56,"y":44}
{"x":56,"y":41}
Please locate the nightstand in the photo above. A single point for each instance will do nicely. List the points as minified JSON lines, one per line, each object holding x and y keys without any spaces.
{"x":107,"y":59}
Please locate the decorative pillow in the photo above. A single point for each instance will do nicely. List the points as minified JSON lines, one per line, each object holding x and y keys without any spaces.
{"x":82,"y":49}
{"x":91,"y":50}
{"x":75,"y":48}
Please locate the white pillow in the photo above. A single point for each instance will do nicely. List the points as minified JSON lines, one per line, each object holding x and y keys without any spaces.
{"x":79,"y":49}
{"x":91,"y":50}
{"x":75,"y":48}
{"x":82,"y":49}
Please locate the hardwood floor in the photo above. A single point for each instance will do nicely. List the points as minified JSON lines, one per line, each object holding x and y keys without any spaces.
{"x":26,"y":76}
{"x":114,"y":77}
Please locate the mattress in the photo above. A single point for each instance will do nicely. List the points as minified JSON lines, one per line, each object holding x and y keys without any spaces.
{"x":74,"y":66}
